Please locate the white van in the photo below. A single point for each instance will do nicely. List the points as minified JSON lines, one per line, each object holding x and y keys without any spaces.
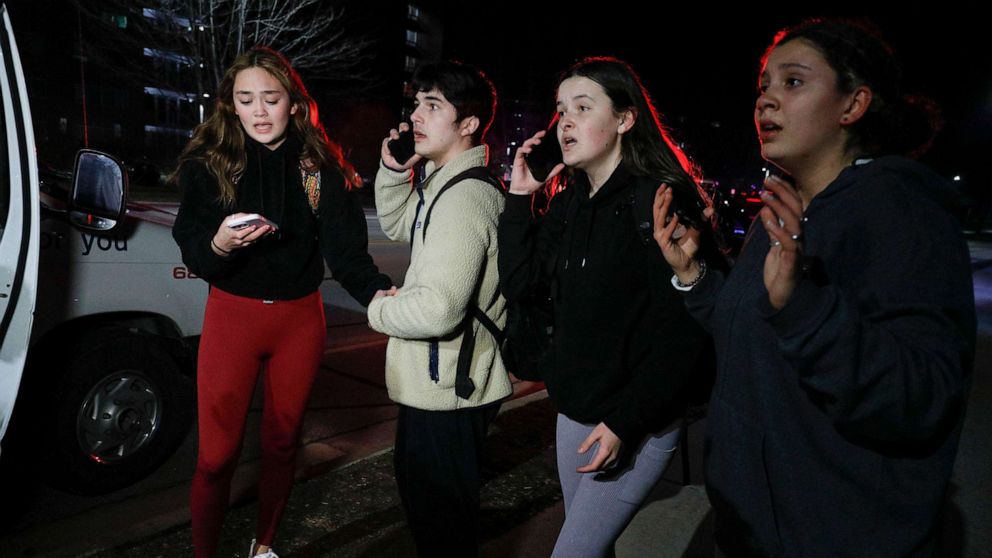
{"x":108,"y":363}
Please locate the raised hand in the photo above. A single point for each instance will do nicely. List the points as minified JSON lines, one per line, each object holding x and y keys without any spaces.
{"x":679,"y":249}
{"x":782,"y":217}
{"x":387,"y":157}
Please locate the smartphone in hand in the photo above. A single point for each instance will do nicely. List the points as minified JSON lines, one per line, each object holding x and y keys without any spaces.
{"x":402,"y":149}
{"x":249,"y":220}
{"x":545,"y":156}
{"x":771,"y":170}
{"x":688,"y":203}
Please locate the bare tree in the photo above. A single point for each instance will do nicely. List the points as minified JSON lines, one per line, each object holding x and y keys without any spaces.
{"x":183,"y":46}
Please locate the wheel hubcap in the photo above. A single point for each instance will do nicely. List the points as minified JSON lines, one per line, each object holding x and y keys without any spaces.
{"x":119,"y":416}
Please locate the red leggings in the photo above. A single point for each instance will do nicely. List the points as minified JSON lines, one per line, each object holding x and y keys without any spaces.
{"x":239,"y":336}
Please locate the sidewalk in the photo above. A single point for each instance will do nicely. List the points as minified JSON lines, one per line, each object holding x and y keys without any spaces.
{"x":355,"y":511}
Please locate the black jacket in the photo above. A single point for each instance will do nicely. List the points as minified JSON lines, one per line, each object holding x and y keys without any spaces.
{"x":286,"y":265}
{"x":624,"y":344}
{"x":834,"y":422}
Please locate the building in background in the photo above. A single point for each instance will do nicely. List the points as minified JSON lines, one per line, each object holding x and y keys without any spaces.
{"x":423,"y":39}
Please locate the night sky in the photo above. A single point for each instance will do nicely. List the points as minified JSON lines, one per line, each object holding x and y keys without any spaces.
{"x":700,"y":64}
{"x":698,"y":61}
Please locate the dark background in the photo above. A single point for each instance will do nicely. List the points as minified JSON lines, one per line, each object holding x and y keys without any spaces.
{"x":699,"y":61}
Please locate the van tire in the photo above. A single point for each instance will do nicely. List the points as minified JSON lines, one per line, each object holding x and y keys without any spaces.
{"x":121,"y":408}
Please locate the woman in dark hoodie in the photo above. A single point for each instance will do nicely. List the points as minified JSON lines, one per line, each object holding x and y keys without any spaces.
{"x":623,"y":343}
{"x":264,"y":151}
{"x":845,"y":333}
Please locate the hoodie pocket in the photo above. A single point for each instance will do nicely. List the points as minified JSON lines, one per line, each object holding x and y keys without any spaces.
{"x":737,"y":481}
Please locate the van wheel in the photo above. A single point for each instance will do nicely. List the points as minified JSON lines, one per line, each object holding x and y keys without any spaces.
{"x":121,"y":408}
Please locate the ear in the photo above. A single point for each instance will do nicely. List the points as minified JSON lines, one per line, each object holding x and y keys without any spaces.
{"x":292,"y":109}
{"x":627,"y":119}
{"x":857,"y":105}
{"x":468,"y":126}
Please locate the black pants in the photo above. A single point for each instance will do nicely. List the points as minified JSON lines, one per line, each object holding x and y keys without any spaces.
{"x":437,"y":457}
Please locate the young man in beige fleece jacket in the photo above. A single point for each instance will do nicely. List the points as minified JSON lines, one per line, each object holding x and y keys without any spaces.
{"x":439,"y":435}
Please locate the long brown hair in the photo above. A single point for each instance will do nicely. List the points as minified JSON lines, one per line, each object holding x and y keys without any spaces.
{"x":220,"y":140}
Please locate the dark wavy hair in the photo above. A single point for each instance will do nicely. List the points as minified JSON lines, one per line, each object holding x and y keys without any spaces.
{"x":895,"y":123}
{"x":220,"y":140}
{"x":465,"y":87}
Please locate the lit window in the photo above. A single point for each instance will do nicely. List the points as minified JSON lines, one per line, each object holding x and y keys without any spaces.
{"x":166,"y":130}
{"x":412,"y":12}
{"x":165,"y":16}
{"x":412,"y":38}
{"x":165,"y":93}
{"x":168,"y":56}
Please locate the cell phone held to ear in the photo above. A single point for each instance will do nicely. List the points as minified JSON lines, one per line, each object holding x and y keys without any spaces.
{"x":545,"y":156}
{"x":402,"y":149}
{"x":249,"y":220}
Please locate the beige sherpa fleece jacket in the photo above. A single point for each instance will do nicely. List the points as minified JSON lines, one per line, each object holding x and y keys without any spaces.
{"x":460,"y":244}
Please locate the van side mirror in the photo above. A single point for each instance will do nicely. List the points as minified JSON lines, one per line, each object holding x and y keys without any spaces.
{"x":99,"y":191}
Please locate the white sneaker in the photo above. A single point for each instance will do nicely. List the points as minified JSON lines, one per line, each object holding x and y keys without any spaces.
{"x":267,"y":554}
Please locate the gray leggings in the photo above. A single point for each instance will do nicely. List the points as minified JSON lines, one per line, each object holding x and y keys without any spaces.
{"x":597,"y":512}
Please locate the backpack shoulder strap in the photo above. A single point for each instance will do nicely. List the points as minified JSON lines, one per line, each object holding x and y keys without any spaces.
{"x":464,"y":386}
{"x":490,"y":325}
{"x":478,"y":173}
{"x":642,"y":211}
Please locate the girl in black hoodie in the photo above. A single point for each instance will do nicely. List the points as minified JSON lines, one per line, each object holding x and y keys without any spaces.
{"x":263,"y":150}
{"x":623,"y":343}
{"x":845,"y":333}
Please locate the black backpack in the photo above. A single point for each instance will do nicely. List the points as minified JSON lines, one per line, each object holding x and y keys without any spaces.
{"x":524,"y":343}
